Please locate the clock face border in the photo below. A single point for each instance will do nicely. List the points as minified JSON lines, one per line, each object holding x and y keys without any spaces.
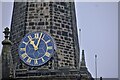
{"x":44,"y":60}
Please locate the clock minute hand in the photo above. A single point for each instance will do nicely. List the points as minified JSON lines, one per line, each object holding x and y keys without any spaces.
{"x":39,"y":40}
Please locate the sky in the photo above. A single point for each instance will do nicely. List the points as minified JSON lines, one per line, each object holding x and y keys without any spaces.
{"x":98,"y":22}
{"x":99,"y":35}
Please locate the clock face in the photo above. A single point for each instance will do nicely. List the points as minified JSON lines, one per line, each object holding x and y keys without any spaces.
{"x":36,"y":48}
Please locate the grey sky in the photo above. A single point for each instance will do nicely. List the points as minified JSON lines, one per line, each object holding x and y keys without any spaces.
{"x":99,"y":25}
{"x":99,"y":34}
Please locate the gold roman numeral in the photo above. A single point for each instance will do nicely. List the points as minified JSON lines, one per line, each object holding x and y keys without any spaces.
{"x":23,"y":49}
{"x":36,"y":35}
{"x":36,"y":61}
{"x":47,"y":54}
{"x":43,"y":60}
{"x":24,"y":55}
{"x":29,"y":60}
{"x":30,"y":38}
{"x":49,"y":47}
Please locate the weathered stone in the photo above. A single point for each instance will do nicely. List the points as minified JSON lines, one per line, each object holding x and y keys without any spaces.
{"x":7,"y":66}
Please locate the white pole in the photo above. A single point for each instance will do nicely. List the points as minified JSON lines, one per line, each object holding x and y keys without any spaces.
{"x":96,"y":66}
{"x":79,"y":37}
{"x":79,"y":43}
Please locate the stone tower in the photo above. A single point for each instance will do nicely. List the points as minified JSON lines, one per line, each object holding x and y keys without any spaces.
{"x":56,"y":18}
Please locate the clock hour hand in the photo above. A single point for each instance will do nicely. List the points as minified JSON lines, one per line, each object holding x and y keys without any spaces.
{"x":39,"y":40}
{"x":32,"y":42}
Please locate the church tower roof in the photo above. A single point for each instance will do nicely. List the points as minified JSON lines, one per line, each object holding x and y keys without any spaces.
{"x":83,"y":63}
{"x":85,"y":74}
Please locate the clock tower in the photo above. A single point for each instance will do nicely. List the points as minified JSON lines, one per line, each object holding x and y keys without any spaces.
{"x":45,"y":41}
{"x":57,"y":19}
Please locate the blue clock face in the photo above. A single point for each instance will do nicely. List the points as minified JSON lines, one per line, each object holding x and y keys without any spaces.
{"x":36,"y":48}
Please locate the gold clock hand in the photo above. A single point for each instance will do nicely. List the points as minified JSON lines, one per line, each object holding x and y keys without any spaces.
{"x":39,"y":40}
{"x":32,"y":42}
